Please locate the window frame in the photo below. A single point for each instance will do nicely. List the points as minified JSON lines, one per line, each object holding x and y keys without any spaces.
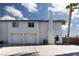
{"x":15,"y":24}
{"x":31,"y":24}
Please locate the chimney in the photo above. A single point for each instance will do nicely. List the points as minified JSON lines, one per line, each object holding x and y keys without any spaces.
{"x":50,"y":28}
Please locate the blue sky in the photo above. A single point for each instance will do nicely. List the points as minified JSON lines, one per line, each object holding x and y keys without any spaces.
{"x":39,"y":11}
{"x":41,"y":14}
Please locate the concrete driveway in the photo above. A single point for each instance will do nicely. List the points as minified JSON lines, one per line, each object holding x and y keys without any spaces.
{"x":41,"y":50}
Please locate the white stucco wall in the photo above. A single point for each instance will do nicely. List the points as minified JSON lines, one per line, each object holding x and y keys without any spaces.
{"x":23,"y":28}
{"x":41,"y":29}
{"x":57,"y":29}
{"x":4,"y":31}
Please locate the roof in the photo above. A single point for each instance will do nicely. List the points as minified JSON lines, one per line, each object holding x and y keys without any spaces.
{"x":62,"y":21}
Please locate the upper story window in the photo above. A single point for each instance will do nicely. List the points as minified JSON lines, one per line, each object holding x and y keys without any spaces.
{"x":15,"y":24}
{"x":30,"y":24}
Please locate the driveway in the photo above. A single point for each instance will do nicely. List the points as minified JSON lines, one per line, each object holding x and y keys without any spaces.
{"x":41,"y":50}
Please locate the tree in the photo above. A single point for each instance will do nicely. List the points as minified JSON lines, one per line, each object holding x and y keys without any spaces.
{"x":71,"y":8}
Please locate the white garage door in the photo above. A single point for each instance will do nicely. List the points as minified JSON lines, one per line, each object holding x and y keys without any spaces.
{"x":16,"y":38}
{"x":30,"y":38}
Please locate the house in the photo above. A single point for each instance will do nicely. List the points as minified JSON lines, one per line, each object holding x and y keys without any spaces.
{"x":30,"y":31}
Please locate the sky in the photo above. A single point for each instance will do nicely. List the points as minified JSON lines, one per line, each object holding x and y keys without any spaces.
{"x":39,"y":11}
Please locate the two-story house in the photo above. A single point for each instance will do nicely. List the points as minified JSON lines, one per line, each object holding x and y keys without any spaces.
{"x":30,"y":31}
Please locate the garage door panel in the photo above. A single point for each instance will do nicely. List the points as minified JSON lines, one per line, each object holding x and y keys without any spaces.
{"x":16,"y":38}
{"x":30,"y":39}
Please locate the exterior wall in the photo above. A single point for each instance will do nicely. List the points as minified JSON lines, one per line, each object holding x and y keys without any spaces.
{"x":0,"y":33}
{"x":24,"y":29}
{"x":57,"y":29}
{"x":41,"y":29}
{"x":4,"y":31}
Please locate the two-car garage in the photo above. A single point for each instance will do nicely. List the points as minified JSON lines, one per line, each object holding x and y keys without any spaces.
{"x":23,"y":38}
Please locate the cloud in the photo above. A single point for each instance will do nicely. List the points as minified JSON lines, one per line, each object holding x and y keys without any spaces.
{"x":50,"y":8}
{"x":61,"y":7}
{"x":22,"y":19}
{"x":77,"y":26}
{"x":25,"y":19}
{"x":64,"y":27}
{"x":13,"y":11}
{"x":32,"y":7}
{"x":75,"y":14}
{"x":7,"y":17}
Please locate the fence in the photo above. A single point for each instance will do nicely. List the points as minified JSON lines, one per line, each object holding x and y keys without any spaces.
{"x":72,"y":40}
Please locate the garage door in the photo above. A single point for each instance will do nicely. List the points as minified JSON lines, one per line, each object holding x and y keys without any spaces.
{"x":30,"y":38}
{"x":16,"y":38}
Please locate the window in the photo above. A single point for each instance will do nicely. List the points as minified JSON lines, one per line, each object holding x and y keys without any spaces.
{"x":15,"y":24}
{"x":30,"y":24}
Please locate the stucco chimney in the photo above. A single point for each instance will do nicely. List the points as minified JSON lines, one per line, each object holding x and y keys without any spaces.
{"x":50,"y":28}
